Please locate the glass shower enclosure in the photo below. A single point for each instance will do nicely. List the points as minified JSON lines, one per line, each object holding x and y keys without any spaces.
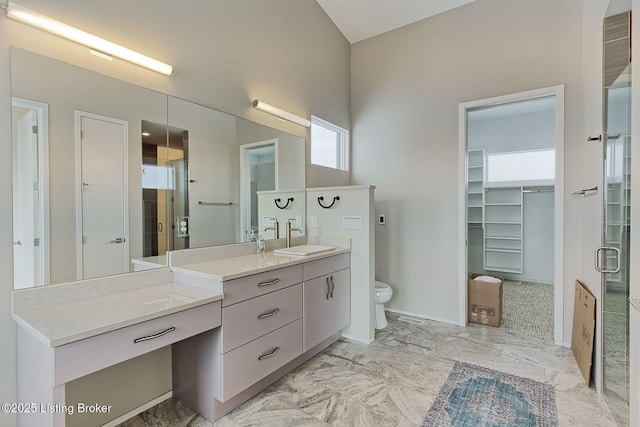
{"x":613,"y":257}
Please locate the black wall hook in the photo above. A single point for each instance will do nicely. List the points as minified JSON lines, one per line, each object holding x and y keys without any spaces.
{"x":321,"y":198}
{"x":278,"y":200}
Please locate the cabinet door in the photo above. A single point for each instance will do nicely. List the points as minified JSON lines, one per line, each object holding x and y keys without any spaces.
{"x":327,"y":306}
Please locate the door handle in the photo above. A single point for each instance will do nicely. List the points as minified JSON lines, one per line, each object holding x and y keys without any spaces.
{"x":328,"y":287}
{"x":635,"y":303}
{"x":598,"y":259}
{"x":118,"y":240}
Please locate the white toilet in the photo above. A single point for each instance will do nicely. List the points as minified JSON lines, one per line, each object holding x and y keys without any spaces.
{"x":381,"y":295}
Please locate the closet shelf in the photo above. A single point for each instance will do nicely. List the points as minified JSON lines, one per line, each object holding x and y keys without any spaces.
{"x":504,"y":222}
{"x":506,"y":251}
{"x":502,"y":238}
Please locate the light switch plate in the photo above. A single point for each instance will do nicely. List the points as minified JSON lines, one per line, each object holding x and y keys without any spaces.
{"x":314,"y":221}
{"x":298,"y":221}
{"x":382,"y":219}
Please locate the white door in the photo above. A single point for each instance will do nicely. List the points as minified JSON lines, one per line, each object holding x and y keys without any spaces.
{"x":26,"y":241}
{"x":103,"y":225}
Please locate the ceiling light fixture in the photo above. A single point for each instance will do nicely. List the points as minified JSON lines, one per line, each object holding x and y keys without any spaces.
{"x":52,"y":26}
{"x":285,"y":115}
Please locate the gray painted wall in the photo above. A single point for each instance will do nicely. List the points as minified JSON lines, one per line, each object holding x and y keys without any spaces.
{"x":407,"y":85}
{"x":225,"y":53}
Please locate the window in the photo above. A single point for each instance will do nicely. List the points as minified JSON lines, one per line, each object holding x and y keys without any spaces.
{"x":329,"y":145}
{"x":538,"y":165}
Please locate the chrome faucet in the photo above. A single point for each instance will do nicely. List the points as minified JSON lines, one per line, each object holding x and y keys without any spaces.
{"x":275,"y":228}
{"x":289,"y":230}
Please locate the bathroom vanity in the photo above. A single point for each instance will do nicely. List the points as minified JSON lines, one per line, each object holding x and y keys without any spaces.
{"x":278,"y":312}
{"x":234,"y":325}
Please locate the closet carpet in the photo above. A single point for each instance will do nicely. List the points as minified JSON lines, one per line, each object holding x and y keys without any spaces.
{"x":395,"y":380}
{"x":527,"y":309}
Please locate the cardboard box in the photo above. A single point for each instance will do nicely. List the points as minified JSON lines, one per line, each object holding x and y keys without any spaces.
{"x":484,"y":301}
{"x":584,"y":323}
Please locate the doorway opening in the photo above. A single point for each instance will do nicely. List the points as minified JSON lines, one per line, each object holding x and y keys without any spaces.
{"x":258,"y":166}
{"x":30,"y":151}
{"x":511,"y":162}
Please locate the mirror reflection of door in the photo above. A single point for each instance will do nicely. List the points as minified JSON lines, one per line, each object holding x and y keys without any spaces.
{"x":258,"y":173}
{"x":102,"y":200}
{"x":30,"y":193}
{"x":165,"y":195}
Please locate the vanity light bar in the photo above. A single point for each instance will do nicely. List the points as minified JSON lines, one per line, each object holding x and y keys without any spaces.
{"x":285,"y":115}
{"x":52,"y":26}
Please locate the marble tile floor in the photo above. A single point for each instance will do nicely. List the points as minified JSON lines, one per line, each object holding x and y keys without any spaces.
{"x":394,"y":380}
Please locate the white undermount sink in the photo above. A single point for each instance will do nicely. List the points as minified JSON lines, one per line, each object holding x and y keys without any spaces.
{"x":303,"y":250}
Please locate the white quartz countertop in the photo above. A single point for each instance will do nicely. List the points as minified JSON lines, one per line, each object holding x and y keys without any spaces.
{"x":245,"y":265}
{"x":61,"y":324}
{"x":151,"y":261}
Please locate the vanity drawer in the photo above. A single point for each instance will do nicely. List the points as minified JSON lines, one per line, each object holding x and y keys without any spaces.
{"x":241,"y":289}
{"x":248,"y":320}
{"x":323,"y":266}
{"x":246,"y":365}
{"x":89,"y":355}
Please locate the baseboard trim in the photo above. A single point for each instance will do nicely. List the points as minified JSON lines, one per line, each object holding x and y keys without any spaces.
{"x":424,"y":316}
{"x":356,"y":339}
{"x":132,"y":413}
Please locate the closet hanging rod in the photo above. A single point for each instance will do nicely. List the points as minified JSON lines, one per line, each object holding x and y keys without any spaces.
{"x":215,"y":203}
{"x":538,"y":191}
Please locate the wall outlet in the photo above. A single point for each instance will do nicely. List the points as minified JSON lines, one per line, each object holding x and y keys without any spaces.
{"x":314,"y":221}
{"x":382,"y":219}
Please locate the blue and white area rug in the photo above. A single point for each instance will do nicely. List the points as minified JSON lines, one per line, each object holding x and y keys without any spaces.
{"x":477,"y":396}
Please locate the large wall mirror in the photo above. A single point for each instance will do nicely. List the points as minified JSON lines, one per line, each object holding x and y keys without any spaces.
{"x":109,"y":176}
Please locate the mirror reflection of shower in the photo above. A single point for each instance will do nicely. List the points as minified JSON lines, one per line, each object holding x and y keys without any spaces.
{"x":165,"y":157}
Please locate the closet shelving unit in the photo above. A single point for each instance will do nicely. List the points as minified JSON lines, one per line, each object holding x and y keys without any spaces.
{"x":503,"y":229}
{"x":618,"y":205}
{"x":475,"y":187}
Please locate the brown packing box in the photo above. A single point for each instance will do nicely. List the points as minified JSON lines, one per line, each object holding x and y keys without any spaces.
{"x":484,"y":301}
{"x":584,"y":321}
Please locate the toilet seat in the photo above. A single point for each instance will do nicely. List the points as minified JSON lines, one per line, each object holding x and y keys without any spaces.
{"x":382,"y":289}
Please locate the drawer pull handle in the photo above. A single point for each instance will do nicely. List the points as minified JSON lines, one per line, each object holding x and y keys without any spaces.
{"x":268,"y":355}
{"x":270,"y":282}
{"x":328,"y":287}
{"x":154,"y":336}
{"x":333,"y":286}
{"x":269,"y":314}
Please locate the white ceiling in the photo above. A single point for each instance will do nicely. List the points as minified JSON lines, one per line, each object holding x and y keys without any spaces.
{"x":361,"y":19}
